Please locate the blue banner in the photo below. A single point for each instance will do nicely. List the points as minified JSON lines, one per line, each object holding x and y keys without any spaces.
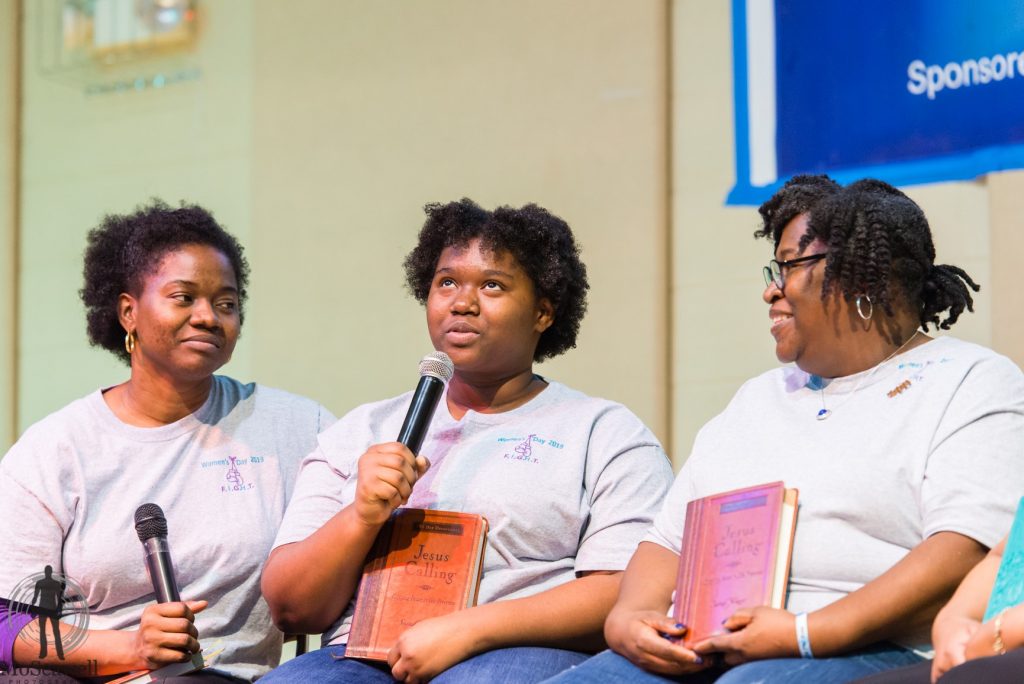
{"x":914,"y":91}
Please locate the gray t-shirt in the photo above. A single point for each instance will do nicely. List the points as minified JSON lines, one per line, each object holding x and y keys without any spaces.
{"x":223,"y":475}
{"x":931,"y":441}
{"x":568,"y":483}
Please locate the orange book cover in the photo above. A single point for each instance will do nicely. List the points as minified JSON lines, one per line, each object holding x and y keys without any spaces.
{"x":424,"y":563}
{"x":735,"y":554}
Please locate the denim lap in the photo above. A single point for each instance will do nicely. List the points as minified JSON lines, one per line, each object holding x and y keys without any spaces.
{"x":838,"y":670}
{"x":519,"y":665}
{"x":328,"y":665}
{"x":611,"y":667}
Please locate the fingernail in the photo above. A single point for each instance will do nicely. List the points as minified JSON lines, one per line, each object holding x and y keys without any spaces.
{"x":698,"y":660}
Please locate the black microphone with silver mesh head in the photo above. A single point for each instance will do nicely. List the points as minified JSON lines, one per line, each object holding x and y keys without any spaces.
{"x":151,"y":526}
{"x":436,"y":369}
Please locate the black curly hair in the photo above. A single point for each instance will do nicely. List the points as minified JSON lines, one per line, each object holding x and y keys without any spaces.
{"x":797,"y":196}
{"x":122,"y":250}
{"x":879,"y":244}
{"x":541,"y":242}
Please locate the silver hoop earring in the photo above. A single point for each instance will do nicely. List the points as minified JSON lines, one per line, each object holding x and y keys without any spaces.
{"x":871,"y":309}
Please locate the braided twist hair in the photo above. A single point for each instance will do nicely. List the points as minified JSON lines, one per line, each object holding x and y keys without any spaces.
{"x":880,"y":245}
{"x":797,"y":196}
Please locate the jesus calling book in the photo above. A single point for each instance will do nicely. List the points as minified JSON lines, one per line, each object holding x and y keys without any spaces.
{"x":423,"y":564}
{"x":735,"y":554}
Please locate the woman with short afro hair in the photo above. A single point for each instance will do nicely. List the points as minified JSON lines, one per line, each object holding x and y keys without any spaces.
{"x":542,"y":244}
{"x":124,"y":249}
{"x":567,"y":482}
{"x":164,"y":291}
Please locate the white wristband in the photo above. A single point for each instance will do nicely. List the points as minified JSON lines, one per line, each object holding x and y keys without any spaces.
{"x":803,"y":639}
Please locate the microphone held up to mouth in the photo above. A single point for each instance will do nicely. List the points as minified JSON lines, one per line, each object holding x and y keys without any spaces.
{"x":436,"y":369}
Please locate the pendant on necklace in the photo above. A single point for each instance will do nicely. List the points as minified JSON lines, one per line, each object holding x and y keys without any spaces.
{"x":824,"y":413}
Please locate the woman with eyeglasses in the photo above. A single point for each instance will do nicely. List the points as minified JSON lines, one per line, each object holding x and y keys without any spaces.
{"x":906,"y":450}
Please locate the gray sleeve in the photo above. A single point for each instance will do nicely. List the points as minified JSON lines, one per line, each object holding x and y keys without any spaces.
{"x":975,"y":471}
{"x":626,"y":480}
{"x":318,"y":496}
{"x":667,"y":529}
{"x":325,"y":419}
{"x":322,"y":487}
{"x":31,"y":524}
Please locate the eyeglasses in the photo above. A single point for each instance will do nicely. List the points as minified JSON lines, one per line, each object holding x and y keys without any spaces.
{"x":775,"y":271}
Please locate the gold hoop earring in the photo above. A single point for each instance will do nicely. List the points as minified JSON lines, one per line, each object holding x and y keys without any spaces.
{"x":129,"y":342}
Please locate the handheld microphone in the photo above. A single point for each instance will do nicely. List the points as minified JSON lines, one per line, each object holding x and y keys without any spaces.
{"x":151,"y":526}
{"x":436,"y":369}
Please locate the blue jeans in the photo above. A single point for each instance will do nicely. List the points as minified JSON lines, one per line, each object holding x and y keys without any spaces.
{"x":1004,"y":669}
{"x":609,"y":666}
{"x":521,"y":665}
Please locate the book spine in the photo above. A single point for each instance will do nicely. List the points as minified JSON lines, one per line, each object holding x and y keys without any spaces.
{"x":365,"y":624}
{"x":688,"y":559}
{"x":776,"y":501}
{"x":784,"y":547}
{"x":474,"y":572}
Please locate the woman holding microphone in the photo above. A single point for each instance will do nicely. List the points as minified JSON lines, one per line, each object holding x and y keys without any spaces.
{"x":503,"y":290}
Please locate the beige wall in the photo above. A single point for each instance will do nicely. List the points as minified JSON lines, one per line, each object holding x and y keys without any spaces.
{"x":9,"y":148}
{"x":363,"y":116}
{"x":317,"y":132}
